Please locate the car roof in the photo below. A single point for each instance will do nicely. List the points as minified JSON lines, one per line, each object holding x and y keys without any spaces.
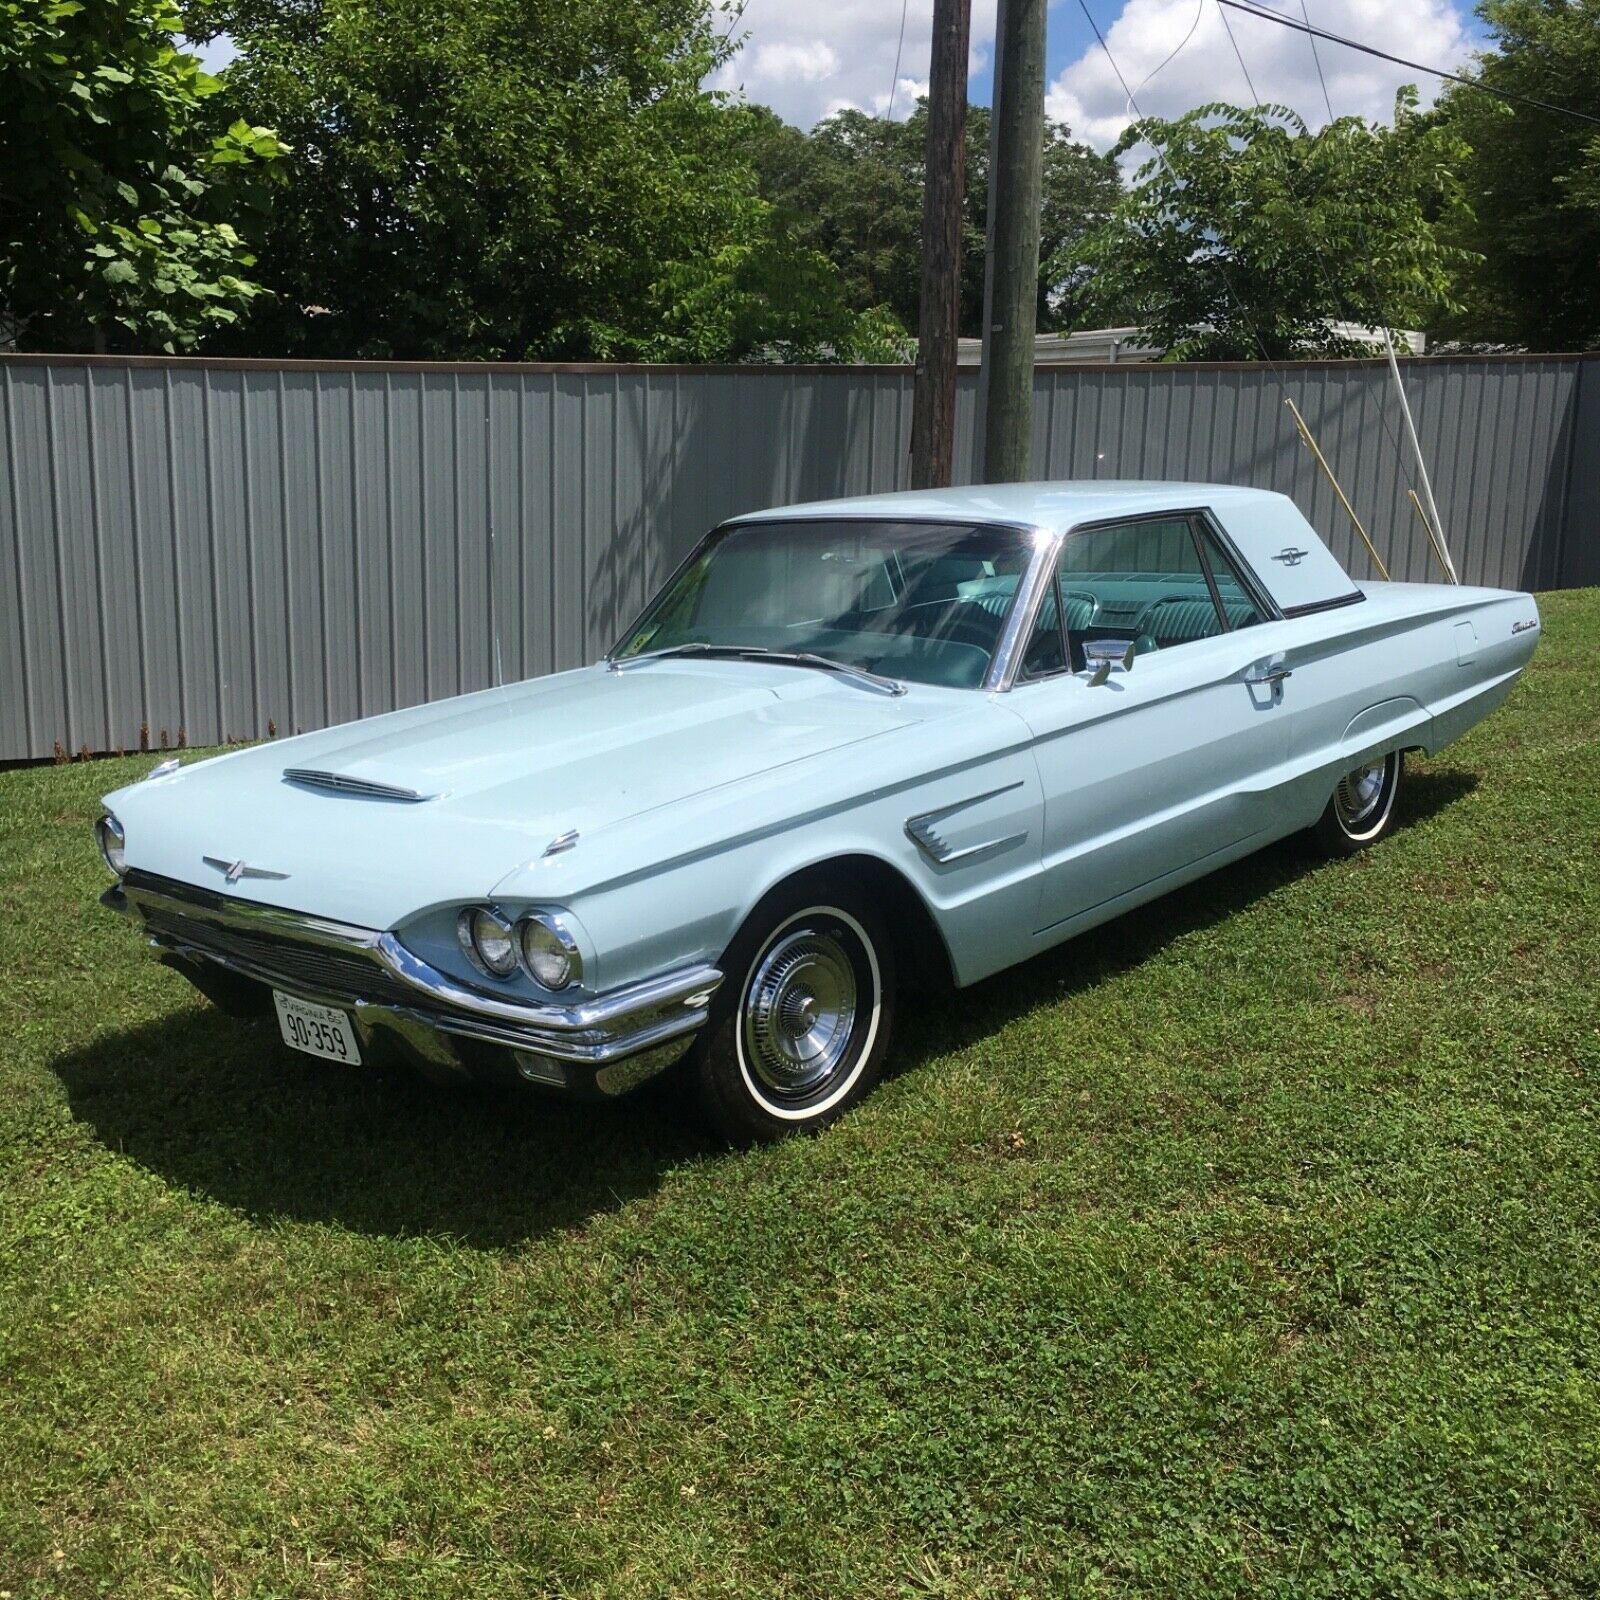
{"x":1055,"y":506}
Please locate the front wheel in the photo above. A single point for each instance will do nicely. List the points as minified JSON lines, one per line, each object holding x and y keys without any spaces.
{"x":1361,"y":810}
{"x":801,"y":1025}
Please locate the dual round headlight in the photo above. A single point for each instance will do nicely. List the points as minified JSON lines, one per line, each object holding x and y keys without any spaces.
{"x":541,"y":942}
{"x":109,"y":836}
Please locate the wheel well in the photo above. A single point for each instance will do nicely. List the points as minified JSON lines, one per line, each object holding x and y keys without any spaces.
{"x":920,"y":950}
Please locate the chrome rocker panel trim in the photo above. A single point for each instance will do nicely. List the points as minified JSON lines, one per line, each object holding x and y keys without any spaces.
{"x":648,"y":1024}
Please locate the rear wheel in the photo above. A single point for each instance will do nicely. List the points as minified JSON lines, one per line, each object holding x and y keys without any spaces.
{"x":801,"y":1025}
{"x":1361,"y":809}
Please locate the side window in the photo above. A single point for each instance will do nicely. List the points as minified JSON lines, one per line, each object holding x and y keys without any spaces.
{"x":1237,"y":606}
{"x":1143,"y":581}
{"x":1047,"y":647}
{"x":1159,"y":582}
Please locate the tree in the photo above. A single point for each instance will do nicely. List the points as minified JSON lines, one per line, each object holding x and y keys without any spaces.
{"x":1254,"y":236}
{"x":121,"y":202}
{"x":1531,"y":180}
{"x":494,"y":179}
{"x":852,"y":189}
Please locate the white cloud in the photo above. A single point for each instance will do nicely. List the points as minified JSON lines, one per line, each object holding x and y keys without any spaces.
{"x":1087,"y":93}
{"x":808,"y":60}
{"x":801,"y":63}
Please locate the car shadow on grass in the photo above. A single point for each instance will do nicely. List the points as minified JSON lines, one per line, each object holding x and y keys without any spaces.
{"x":220,"y":1107}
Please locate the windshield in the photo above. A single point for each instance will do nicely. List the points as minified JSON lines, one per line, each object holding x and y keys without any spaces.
{"x":912,"y":600}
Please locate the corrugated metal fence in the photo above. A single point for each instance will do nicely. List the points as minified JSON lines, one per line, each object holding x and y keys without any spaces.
{"x":192,"y":551}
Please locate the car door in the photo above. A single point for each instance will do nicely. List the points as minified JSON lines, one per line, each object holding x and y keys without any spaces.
{"x":1171,"y":760}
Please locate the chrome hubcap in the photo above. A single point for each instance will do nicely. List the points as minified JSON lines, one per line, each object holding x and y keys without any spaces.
{"x":800,"y":1011}
{"x":1359,"y":795}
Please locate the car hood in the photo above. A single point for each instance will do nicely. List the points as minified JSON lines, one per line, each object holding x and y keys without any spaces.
{"x":497,"y":775}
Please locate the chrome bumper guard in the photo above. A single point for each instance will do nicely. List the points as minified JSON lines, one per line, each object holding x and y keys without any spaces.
{"x":609,"y":1041}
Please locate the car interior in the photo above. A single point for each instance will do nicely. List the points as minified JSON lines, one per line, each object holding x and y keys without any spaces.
{"x":1155,"y":584}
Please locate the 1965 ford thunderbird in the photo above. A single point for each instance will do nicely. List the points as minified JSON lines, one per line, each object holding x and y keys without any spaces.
{"x":849,"y":743}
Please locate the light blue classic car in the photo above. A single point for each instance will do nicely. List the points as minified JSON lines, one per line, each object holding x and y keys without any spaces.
{"x":851,"y":744}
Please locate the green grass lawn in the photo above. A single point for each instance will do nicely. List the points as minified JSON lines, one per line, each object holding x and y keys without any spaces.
{"x":1248,"y":1246}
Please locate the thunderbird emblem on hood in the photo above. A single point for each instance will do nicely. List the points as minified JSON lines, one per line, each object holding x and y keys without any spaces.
{"x":233,"y":871}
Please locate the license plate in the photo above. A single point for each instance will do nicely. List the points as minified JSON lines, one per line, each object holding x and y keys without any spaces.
{"x":317,"y":1030}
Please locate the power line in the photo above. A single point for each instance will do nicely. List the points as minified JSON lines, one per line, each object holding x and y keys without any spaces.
{"x":1316,"y":256}
{"x":1401,"y":61}
{"x":894,"y":81}
{"x":1316,"y":57}
{"x":1173,"y":54}
{"x":1434,"y":528}
{"x":738,"y":17}
{"x":1160,"y":155}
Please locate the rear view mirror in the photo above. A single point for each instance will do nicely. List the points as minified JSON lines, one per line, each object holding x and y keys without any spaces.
{"x":1101,"y":655}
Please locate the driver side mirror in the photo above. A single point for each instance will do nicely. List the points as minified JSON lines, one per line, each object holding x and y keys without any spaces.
{"x":1100,"y":655}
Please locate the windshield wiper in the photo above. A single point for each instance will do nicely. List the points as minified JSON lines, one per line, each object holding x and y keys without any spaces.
{"x":859,"y":676}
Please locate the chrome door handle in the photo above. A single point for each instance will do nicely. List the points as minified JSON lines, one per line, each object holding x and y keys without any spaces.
{"x":1273,"y":675}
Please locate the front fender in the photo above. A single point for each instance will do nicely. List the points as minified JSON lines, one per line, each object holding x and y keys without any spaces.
{"x":981,"y":896}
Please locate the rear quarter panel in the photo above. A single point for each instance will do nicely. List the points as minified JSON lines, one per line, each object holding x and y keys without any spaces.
{"x":1411,"y":666}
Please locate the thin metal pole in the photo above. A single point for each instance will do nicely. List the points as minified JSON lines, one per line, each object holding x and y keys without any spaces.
{"x":1349,"y":510}
{"x":1436,"y":526}
{"x":1427,"y":528}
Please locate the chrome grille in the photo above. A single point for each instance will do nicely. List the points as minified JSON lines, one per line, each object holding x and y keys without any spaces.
{"x":287,"y":963}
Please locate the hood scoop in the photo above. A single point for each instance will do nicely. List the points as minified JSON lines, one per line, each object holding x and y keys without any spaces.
{"x":344,"y":783}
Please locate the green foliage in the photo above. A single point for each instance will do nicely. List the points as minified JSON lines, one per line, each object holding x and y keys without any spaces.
{"x":121,"y":199}
{"x":1245,"y":1249}
{"x":852,"y":189}
{"x":1254,"y":234}
{"x":1532,"y":180}
{"x":494,"y":179}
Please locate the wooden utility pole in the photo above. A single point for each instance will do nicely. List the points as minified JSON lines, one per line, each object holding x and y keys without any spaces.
{"x":933,"y":409}
{"x":1016,"y":172}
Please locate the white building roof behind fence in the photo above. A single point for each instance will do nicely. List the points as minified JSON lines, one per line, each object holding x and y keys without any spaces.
{"x":1097,"y":346}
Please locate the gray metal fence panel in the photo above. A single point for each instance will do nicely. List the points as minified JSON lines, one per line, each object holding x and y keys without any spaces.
{"x":193,"y":551}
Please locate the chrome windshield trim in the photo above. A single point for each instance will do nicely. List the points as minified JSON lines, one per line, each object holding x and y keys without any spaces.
{"x":762,"y":656}
{"x":1007,"y":659}
{"x":599,"y":1028}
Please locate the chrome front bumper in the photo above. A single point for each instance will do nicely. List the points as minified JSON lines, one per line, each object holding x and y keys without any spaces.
{"x":608,"y":1042}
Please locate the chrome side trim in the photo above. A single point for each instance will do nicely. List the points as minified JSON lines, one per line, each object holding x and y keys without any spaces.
{"x":923,"y":832}
{"x":939,"y":852}
{"x":598,"y":1029}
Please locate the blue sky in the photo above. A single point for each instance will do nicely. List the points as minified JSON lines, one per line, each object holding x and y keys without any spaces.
{"x":807,"y":57}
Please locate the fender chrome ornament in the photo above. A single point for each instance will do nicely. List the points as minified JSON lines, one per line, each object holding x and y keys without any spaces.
{"x":1523,"y":626}
{"x":233,"y":871}
{"x":923,"y":831}
{"x":1291,"y":555}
